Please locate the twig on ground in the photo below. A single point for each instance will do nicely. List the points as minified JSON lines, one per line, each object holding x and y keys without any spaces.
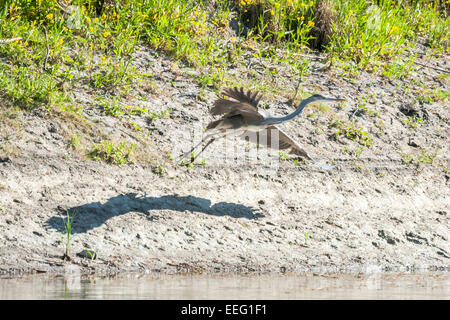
{"x":428,"y":66}
{"x":10,"y":40}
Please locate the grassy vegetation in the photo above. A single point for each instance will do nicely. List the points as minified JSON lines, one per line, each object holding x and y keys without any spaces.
{"x":425,"y":157}
{"x":351,"y":131}
{"x":112,"y":153}
{"x":94,"y":42}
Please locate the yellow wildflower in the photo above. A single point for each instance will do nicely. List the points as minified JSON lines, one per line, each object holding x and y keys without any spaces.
{"x":394,"y":29}
{"x":95,"y":20}
{"x":106,"y":34}
{"x":272,"y":12}
{"x":311,"y":3}
{"x":49,"y":16}
{"x":311,"y":24}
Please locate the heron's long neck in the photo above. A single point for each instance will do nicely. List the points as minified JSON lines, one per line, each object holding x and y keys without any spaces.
{"x":296,"y":113}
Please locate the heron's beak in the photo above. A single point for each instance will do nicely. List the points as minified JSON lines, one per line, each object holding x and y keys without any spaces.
{"x":336,"y":99}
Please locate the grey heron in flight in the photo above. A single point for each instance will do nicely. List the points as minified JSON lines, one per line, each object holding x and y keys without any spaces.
{"x":242,"y":116}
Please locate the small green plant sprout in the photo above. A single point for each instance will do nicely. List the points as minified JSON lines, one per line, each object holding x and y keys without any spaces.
{"x":363,"y":108}
{"x":307,"y":236}
{"x":170,"y":156}
{"x":2,"y":209}
{"x":159,"y":169}
{"x":335,"y":124}
{"x":352,"y":132}
{"x":135,"y":126}
{"x":208,"y":80}
{"x":380,"y":126}
{"x":407,"y":158}
{"x":68,"y":225}
{"x":283,"y":156}
{"x":426,"y":157}
{"x":202,"y":162}
{"x":74,"y":143}
{"x":193,"y":153}
{"x":165,"y":114}
{"x":135,"y":110}
{"x":379,"y":173}
{"x":112,"y":109}
{"x":354,"y":152}
{"x":92,"y":255}
{"x":413,"y":122}
{"x":358,"y":134}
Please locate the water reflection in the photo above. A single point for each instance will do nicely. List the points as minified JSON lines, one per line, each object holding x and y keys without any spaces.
{"x":72,"y":285}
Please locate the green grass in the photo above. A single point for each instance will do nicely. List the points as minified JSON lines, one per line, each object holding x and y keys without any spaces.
{"x":424,"y":157}
{"x":74,"y":143}
{"x":27,"y":88}
{"x":413,"y":122}
{"x":95,"y":46}
{"x":351,"y":131}
{"x":112,"y":153}
{"x":370,"y":34}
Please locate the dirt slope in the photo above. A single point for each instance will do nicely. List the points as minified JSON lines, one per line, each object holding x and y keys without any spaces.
{"x":373,"y":211}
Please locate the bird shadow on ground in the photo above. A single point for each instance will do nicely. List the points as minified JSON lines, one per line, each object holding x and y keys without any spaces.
{"x":91,"y":215}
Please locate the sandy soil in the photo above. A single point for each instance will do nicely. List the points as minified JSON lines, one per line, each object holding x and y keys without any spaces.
{"x":372,"y":212}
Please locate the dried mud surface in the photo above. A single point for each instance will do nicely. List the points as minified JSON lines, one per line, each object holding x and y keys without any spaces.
{"x":371,"y":212}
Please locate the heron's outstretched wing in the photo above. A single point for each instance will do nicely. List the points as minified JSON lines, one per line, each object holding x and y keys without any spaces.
{"x":246,"y":102}
{"x":268,"y":137}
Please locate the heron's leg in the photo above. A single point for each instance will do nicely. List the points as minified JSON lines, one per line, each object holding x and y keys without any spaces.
{"x":185,"y":155}
{"x":206,"y":145}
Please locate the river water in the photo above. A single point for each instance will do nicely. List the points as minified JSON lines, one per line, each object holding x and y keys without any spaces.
{"x":193,"y":287}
